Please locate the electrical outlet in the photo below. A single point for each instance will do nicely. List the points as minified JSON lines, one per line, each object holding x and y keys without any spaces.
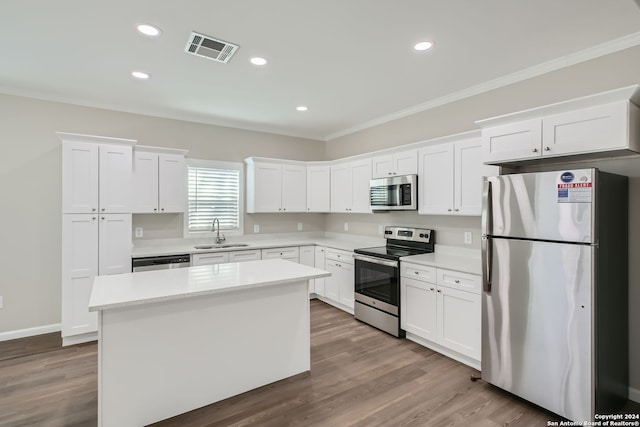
{"x":299,"y":226}
{"x":139,"y":232}
{"x":256,"y":228}
{"x":380,"y":229}
{"x":346,"y":226}
{"x":468,"y":237}
{"x":1,"y":301}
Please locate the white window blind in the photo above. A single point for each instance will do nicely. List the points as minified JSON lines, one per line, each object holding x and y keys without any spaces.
{"x":214,"y":192}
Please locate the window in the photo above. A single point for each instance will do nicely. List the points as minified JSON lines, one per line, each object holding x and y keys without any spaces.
{"x":215,"y":191}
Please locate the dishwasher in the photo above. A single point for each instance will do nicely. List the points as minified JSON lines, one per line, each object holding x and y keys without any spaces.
{"x":160,"y":262}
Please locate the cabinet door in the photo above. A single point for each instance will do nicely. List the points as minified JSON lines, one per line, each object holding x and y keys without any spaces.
{"x":267,"y":185}
{"x":405,"y":162}
{"x":469,"y":174}
{"x":145,"y":182}
{"x":360,"y":179}
{"x":210,"y":258}
{"x":382,"y":166}
{"x":115,"y":183}
{"x":318,"y":189}
{"x":172,"y":179}
{"x":436,"y":180}
{"x":332,"y":283}
{"x":240,"y":256}
{"x":341,"y":188}
{"x":79,"y":177}
{"x":319,"y":261}
{"x":291,"y":253}
{"x":79,"y":267}
{"x":418,"y":308}
{"x":513,"y":141}
{"x":346,"y":284}
{"x":294,"y":188}
{"x":591,"y":129}
{"x":114,"y":244}
{"x":459,"y":320}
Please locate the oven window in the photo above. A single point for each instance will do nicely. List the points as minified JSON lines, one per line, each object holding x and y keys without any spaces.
{"x":377,"y":281}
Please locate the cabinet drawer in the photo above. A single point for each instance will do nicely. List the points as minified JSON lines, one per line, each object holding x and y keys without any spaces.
{"x":458,"y":280}
{"x":339,"y":255}
{"x":418,"y":272}
{"x":210,"y":258}
{"x":239,"y":256}
{"x":291,"y":252}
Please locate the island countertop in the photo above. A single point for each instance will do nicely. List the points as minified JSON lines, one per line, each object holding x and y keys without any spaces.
{"x":129,"y":289}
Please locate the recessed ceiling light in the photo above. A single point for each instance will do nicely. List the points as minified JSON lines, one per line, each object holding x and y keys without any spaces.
{"x":258,"y":61}
{"x":302,"y":108}
{"x":423,"y":46}
{"x":149,"y":30}
{"x":140,"y":75}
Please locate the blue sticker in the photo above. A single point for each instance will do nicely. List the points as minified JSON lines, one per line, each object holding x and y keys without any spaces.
{"x":567,"y":177}
{"x":563,"y":192}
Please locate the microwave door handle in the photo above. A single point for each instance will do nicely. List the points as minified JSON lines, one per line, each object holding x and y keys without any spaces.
{"x":486,"y":244}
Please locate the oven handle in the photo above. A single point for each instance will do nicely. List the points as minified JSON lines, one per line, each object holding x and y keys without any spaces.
{"x":375,"y":260}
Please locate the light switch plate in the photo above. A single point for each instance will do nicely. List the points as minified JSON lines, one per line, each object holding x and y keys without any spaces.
{"x":468,"y":237}
{"x":256,"y":228}
{"x":380,"y":229}
{"x":1,"y":301}
{"x":139,"y":232}
{"x":346,"y":226}
{"x":299,"y":226}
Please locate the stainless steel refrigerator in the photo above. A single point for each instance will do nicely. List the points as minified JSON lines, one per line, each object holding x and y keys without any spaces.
{"x":555,"y":289}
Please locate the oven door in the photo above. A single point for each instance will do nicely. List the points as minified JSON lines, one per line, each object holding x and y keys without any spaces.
{"x":377,"y":282}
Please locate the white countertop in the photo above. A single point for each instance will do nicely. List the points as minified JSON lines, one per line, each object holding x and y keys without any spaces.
{"x":148,"y":248}
{"x":129,"y":289}
{"x":449,"y":257}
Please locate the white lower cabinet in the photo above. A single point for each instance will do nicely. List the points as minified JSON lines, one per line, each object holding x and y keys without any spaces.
{"x":319,"y":262}
{"x":441,"y":309}
{"x":307,"y":257}
{"x":291,"y":253}
{"x":209,"y":258}
{"x":339,"y":287}
{"x":250,"y":255}
{"x":92,"y":244}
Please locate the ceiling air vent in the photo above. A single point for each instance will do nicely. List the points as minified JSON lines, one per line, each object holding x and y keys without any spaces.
{"x":210,"y":48}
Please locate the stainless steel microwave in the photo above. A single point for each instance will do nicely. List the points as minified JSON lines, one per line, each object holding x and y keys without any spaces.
{"x":397,"y":193}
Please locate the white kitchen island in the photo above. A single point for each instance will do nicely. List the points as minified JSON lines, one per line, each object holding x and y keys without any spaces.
{"x":171,"y":341}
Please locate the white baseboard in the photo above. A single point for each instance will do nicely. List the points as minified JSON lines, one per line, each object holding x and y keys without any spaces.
{"x":30,"y":332}
{"x":634,"y":394}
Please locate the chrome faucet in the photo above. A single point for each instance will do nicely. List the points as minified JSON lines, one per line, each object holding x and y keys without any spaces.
{"x":213,"y":228}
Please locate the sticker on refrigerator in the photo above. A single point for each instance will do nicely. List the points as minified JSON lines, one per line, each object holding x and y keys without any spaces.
{"x":574,"y":191}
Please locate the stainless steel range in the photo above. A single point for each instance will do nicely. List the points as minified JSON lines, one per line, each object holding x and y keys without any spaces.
{"x":377,"y":276}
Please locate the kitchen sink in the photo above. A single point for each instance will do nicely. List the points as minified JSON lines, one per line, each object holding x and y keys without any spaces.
{"x":225,"y":245}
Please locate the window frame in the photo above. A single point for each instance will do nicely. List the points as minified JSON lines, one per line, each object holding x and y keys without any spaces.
{"x":217,"y":164}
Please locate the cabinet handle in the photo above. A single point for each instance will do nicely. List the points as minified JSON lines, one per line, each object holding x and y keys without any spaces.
{"x":162,"y":209}
{"x":103,"y":209}
{"x":534,"y":150}
{"x":457,"y":210}
{"x":547,"y":149}
{"x":155,"y":209}
{"x":439,"y":290}
{"x":284,"y":209}
{"x":416,"y":272}
{"x":94,"y":218}
{"x":448,"y":210}
{"x":457,"y":281}
{"x":103,"y":218}
{"x":93,"y":210}
{"x":431,"y":289}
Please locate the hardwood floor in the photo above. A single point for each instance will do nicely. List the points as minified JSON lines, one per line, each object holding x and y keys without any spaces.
{"x":359,"y":377}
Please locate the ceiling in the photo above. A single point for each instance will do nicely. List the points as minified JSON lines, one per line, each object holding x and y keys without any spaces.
{"x":350,"y":61}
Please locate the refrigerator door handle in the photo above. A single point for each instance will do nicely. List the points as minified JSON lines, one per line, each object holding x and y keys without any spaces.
{"x":486,"y":246}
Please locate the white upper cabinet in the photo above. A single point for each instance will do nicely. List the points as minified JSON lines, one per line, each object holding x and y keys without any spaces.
{"x":96,"y":174}
{"x":450,"y":178}
{"x":159,"y":180}
{"x":350,"y":186}
{"x":276,"y":187}
{"x":402,"y":163}
{"x":591,"y":126}
{"x":318,"y":189}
